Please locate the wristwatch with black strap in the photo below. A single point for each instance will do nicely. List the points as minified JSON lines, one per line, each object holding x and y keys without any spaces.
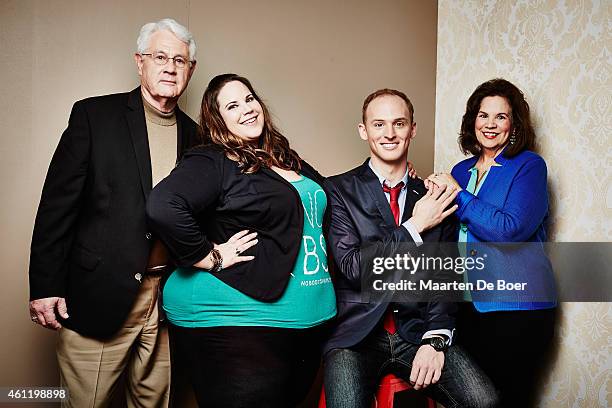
{"x":438,"y":342}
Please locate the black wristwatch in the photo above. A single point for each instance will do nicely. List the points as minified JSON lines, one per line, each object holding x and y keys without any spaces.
{"x":437,"y":342}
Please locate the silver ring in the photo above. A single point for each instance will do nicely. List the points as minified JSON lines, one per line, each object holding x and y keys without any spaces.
{"x":34,"y":318}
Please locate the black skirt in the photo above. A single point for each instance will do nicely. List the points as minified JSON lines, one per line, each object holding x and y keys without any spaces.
{"x":262,"y":367}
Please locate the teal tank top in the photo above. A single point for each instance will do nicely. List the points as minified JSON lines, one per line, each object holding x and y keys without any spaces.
{"x":195,"y":298}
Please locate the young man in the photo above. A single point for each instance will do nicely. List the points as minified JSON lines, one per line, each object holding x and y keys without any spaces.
{"x":95,"y":269}
{"x":378,"y":203}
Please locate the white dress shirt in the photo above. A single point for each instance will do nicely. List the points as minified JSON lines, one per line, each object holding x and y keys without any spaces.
{"x":401,"y":200}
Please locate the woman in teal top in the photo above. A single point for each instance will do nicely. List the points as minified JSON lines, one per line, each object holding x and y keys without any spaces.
{"x":201,"y":300}
{"x":244,"y":219}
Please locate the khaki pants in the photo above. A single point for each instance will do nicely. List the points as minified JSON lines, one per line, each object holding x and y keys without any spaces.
{"x":91,"y":368}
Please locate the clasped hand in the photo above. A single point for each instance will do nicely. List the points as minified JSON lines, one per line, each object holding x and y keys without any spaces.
{"x":441,"y":179}
{"x":433,"y":207}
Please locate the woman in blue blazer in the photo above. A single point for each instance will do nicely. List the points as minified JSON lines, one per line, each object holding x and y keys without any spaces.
{"x":503,"y":198}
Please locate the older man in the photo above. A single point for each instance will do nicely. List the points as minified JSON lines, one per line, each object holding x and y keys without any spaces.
{"x":95,"y":269}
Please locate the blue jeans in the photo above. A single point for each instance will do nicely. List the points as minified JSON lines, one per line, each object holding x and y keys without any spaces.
{"x":352,"y":374}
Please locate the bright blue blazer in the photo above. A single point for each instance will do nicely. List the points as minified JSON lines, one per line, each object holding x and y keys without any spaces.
{"x":511,"y":206}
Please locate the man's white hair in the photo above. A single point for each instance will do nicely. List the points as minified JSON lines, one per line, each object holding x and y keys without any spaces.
{"x":171,"y":25}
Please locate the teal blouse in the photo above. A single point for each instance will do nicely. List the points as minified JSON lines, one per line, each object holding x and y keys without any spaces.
{"x":195,"y":298}
{"x":474,"y":189}
{"x":463,"y":228}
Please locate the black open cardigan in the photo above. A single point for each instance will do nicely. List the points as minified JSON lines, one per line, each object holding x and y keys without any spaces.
{"x":208,"y":199}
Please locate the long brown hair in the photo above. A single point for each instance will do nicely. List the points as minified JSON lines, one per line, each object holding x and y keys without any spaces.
{"x":272,"y":148}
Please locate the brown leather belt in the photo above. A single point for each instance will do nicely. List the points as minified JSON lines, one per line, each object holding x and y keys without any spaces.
{"x":157,"y":270}
{"x":159,"y":259}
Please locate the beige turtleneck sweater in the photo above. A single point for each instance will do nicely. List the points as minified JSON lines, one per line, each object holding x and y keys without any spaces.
{"x":162,"y":132}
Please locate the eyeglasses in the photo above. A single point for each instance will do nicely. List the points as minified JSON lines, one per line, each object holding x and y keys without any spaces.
{"x":162,"y":59}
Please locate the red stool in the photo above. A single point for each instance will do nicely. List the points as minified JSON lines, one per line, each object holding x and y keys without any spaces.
{"x":388,"y":387}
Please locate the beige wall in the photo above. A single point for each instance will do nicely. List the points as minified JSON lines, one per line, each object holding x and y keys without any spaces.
{"x":313,"y":61}
{"x":557,"y":52}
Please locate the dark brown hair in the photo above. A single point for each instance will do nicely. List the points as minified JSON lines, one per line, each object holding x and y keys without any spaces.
{"x":522,"y":128}
{"x":383,"y":92}
{"x":272,"y":148}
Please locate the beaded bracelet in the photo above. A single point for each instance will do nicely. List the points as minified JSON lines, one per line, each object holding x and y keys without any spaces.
{"x":217,"y":260}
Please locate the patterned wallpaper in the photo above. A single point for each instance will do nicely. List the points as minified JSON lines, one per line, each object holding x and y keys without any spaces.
{"x":558,"y":53}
